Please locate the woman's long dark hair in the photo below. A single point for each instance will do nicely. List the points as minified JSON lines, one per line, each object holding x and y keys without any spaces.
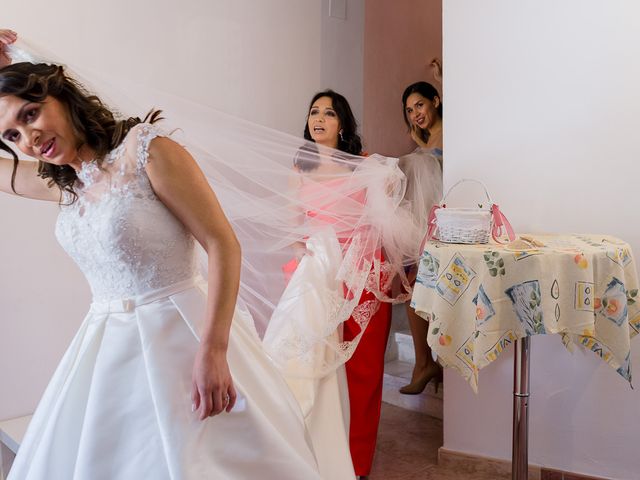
{"x":429,"y":92}
{"x":349,"y":142}
{"x":94,"y":124}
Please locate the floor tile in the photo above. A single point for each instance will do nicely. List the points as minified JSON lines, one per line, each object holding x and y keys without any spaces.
{"x":407,"y":448}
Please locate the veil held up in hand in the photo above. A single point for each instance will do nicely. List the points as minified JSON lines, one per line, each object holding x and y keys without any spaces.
{"x":313,"y":236}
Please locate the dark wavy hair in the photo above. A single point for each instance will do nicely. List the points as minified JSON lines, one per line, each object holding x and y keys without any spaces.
{"x":94,"y":124}
{"x":429,"y":92}
{"x":350,"y":141}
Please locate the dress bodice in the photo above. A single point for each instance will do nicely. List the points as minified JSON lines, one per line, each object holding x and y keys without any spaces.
{"x":123,"y":238}
{"x":423,"y":169}
{"x":332,"y":200}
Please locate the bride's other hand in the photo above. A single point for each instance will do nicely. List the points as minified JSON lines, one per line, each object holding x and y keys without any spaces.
{"x":212,"y":390}
{"x":7,"y":37}
{"x":182,"y":187}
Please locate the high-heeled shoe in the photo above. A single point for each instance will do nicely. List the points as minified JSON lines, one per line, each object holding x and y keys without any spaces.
{"x":416,"y":387}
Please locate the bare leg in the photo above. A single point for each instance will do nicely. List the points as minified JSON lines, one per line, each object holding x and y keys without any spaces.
{"x":419,"y":331}
{"x":425,"y":369}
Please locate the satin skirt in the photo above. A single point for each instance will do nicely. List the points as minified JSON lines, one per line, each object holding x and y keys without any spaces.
{"x":119,"y":404}
{"x":323,"y":397}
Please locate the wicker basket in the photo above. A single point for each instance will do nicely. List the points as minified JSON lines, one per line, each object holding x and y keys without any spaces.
{"x":464,"y":225}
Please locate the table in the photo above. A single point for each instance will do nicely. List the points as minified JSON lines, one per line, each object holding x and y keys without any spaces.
{"x":479,"y":299}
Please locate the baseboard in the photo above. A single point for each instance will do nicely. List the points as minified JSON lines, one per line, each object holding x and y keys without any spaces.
{"x":6,"y":460}
{"x":11,"y":434}
{"x":499,"y":468}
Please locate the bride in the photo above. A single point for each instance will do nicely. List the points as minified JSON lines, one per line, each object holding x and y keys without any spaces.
{"x":166,"y":378}
{"x":134,"y":206}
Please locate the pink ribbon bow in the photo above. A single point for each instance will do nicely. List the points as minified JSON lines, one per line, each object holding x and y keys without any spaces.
{"x":501,"y":225}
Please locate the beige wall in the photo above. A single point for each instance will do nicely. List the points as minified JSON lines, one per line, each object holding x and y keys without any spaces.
{"x":234,"y":55}
{"x":260,"y":60}
{"x":401,"y":38}
{"x":542,"y":104}
{"x":342,"y":60}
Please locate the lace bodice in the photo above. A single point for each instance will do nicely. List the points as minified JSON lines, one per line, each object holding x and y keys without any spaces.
{"x":122,"y":237}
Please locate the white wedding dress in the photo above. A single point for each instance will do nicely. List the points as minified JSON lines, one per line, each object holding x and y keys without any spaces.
{"x":118,"y":406}
{"x":302,"y":313}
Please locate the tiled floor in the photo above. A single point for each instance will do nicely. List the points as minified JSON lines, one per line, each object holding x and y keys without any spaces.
{"x":407,"y":448}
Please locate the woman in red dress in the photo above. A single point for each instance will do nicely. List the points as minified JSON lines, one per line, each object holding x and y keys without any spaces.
{"x":331,"y":123}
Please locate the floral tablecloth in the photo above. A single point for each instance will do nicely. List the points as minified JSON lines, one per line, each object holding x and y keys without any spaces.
{"x":480,"y":298}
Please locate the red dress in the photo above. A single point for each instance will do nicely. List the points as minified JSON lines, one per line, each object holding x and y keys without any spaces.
{"x":365,"y":369}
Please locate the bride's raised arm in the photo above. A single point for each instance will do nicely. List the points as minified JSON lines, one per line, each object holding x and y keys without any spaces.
{"x":20,"y":177}
{"x":27,"y":183}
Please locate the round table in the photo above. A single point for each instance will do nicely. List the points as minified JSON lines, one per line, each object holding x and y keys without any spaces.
{"x":479,"y":299}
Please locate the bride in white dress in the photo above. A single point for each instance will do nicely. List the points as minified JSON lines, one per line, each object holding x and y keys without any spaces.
{"x":166,"y":377}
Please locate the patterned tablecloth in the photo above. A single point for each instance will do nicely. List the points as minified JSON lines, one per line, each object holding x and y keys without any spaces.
{"x":480,"y":298}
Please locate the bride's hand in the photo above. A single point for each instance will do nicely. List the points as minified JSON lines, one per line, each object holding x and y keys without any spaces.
{"x":7,"y":37}
{"x":212,"y":390}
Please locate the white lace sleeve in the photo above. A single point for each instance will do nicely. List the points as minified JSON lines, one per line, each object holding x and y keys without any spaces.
{"x":145,"y":133}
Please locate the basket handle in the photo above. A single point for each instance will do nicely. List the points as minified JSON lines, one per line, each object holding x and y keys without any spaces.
{"x":486,"y":192}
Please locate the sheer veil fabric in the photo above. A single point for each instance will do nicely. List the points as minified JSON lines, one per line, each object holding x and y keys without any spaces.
{"x":313,"y":239}
{"x":345,"y":219}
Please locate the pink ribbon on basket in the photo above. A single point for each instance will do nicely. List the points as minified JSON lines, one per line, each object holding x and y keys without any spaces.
{"x":431,"y":223}
{"x":501,"y":225}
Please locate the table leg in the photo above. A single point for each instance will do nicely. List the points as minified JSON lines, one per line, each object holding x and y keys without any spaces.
{"x":520,"y":447}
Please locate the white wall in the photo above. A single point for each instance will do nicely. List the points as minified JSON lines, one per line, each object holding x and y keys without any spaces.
{"x":342,"y":53}
{"x":260,"y":60}
{"x":236,"y":56}
{"x":542,"y":104}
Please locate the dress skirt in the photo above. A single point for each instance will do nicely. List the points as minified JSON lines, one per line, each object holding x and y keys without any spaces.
{"x":119,"y":404}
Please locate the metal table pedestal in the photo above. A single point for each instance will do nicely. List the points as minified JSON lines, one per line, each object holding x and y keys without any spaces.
{"x":520,"y":445}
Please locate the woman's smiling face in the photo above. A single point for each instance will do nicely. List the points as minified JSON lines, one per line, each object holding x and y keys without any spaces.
{"x":420,"y":111}
{"x":41,"y":130}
